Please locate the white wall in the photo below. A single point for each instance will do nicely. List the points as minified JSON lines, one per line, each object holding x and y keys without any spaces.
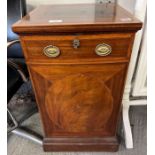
{"x":38,"y":2}
{"x":128,"y":4}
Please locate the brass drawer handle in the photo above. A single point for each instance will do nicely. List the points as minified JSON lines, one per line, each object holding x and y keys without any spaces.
{"x":103,"y":49}
{"x":51,"y":51}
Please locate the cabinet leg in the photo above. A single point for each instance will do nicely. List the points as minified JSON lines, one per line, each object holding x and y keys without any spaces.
{"x":127,"y":127}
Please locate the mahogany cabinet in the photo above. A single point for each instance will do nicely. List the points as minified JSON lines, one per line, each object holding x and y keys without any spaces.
{"x":77,"y":58}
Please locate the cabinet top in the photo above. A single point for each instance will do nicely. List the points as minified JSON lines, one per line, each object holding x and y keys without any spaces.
{"x":77,"y":18}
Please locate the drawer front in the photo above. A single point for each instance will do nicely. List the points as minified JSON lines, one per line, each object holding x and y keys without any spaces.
{"x":75,"y":47}
{"x":79,"y":100}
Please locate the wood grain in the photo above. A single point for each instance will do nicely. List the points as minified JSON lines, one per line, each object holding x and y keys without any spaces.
{"x":91,"y":88}
{"x":77,"y":18}
{"x":120,"y":44}
{"x":78,"y":93}
{"x":80,"y":103}
{"x":81,"y":144}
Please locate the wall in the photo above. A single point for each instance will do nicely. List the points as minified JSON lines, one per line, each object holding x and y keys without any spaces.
{"x":38,"y":2}
{"x":128,"y":4}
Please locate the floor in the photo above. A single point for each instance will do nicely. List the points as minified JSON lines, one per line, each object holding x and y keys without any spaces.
{"x":138,"y":115}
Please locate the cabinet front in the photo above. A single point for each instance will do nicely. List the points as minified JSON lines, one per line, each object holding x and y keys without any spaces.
{"x":78,"y":67}
{"x":75,"y":47}
{"x":79,"y":100}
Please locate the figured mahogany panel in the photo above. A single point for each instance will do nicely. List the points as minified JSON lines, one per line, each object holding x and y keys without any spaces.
{"x":120,"y":43}
{"x":79,"y":99}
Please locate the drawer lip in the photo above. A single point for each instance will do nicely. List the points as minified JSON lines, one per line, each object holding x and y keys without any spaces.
{"x":33,"y":47}
{"x":81,"y":62}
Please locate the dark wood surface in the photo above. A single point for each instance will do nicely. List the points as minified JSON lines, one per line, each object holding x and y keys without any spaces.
{"x":81,"y":144}
{"x":34,"y":46}
{"x":77,"y":18}
{"x":78,"y":93}
{"x":79,"y":101}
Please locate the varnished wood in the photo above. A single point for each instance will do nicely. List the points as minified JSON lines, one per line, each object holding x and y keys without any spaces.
{"x":120,"y":44}
{"x":88,"y":109}
{"x":77,"y":18}
{"x":76,"y":144}
{"x":78,"y":93}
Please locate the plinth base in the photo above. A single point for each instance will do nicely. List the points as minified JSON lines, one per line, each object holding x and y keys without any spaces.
{"x":80,"y":144}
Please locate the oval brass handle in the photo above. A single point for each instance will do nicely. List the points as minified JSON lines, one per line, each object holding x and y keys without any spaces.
{"x":103,"y":49}
{"x":51,"y":51}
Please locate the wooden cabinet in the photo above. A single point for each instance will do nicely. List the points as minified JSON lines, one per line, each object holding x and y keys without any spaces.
{"x":78,"y":71}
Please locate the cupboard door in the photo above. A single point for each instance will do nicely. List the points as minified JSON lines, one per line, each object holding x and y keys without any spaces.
{"x":79,"y":100}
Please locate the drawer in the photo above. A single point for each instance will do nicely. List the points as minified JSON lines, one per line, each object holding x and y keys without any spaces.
{"x":75,"y":47}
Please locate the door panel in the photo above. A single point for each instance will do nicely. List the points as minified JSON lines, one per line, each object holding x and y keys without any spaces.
{"x":79,"y":99}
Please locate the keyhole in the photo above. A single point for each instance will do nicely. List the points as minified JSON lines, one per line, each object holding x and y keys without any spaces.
{"x":76,"y":43}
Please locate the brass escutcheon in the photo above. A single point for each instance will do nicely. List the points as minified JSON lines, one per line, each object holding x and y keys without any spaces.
{"x":51,"y":51}
{"x":76,"y":43}
{"x":103,"y":49}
